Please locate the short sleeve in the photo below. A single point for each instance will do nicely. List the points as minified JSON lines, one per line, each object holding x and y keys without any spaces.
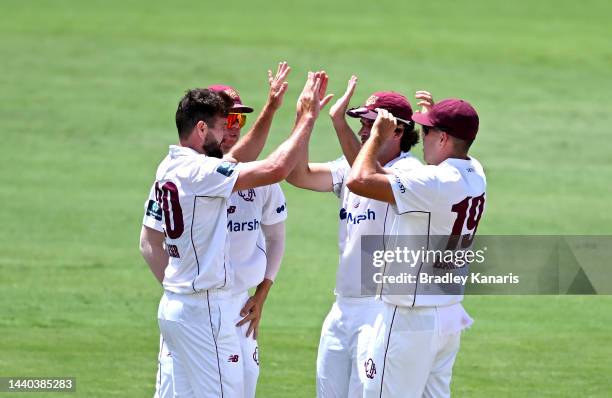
{"x":215,"y":177}
{"x":275,"y":206}
{"x":414,"y":190}
{"x":152,"y":212}
{"x":339,"y":170}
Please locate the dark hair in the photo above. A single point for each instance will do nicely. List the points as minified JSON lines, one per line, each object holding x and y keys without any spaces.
{"x":461,"y":145}
{"x":200,"y":104}
{"x":410,"y":137}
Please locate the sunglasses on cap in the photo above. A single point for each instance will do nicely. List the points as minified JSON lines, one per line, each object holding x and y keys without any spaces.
{"x":232,"y":118}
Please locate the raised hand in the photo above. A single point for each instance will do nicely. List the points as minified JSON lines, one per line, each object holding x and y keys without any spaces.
{"x":426,"y":100}
{"x":310,"y":103}
{"x":385,"y":124}
{"x":278,"y":85}
{"x":338,"y":110}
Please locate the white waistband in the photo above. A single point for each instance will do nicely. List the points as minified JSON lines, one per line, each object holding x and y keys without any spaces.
{"x":211,"y":294}
{"x":367,"y":300}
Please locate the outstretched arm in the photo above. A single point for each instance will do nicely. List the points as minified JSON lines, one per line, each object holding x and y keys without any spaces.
{"x":346,"y":136}
{"x":277,"y":166}
{"x":367,"y":178}
{"x":251,"y":145}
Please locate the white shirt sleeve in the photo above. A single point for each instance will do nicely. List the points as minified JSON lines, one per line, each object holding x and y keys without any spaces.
{"x":215,"y":177}
{"x":415,"y":190}
{"x":340,"y":170}
{"x":275,"y":206}
{"x":152,"y":212}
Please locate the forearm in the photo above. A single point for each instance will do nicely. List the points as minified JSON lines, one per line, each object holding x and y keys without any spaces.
{"x":262,"y":290}
{"x":275,"y":248}
{"x":251,"y":145}
{"x":152,"y":249}
{"x":346,"y":137}
{"x":157,"y":260}
{"x":288,"y":153}
{"x":366,"y":163}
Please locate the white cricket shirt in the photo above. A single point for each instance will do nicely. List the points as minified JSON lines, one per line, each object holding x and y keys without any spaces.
{"x":360,"y":216}
{"x":191,"y":193}
{"x":447,"y":199}
{"x":247,"y":211}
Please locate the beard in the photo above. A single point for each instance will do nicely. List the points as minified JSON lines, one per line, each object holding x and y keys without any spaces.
{"x":212,"y":147}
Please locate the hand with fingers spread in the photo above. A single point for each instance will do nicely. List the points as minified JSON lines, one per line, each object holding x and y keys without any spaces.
{"x":384,"y":125}
{"x":251,"y":312}
{"x":338,"y":110}
{"x":426,"y":100}
{"x":313,"y":98}
{"x":278,"y":85}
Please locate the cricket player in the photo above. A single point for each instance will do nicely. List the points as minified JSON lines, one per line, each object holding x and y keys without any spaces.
{"x":192,"y":188}
{"x":257,"y":234}
{"x":345,"y":331}
{"x":417,"y":335}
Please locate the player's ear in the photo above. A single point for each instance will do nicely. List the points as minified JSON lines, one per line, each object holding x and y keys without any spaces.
{"x":201,"y":129}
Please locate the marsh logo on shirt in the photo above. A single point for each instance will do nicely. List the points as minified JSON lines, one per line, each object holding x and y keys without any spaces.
{"x":401,"y":186}
{"x":356,"y":218}
{"x":248,"y":196}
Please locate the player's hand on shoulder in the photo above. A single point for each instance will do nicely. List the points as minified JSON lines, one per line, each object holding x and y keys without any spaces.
{"x":426,"y":100}
{"x":278,"y":85}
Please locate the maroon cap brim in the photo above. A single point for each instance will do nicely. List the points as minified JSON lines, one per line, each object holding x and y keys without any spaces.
{"x":242,"y":109}
{"x":422,"y":119}
{"x":362,"y":112}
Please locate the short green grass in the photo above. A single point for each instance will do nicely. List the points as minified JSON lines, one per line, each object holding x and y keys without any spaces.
{"x":88,"y":92}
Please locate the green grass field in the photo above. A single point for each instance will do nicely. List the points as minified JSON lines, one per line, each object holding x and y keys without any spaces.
{"x":88,"y":92}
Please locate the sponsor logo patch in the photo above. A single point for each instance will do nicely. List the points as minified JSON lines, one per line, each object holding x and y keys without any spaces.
{"x":226,"y":168}
{"x":281,"y":208}
{"x":153,"y":210}
{"x":233,"y":358}
{"x":401,"y":186}
{"x":173,"y":251}
{"x":231,"y":210}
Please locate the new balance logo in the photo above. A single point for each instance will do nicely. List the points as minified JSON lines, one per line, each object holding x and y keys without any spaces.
{"x":233,"y":358}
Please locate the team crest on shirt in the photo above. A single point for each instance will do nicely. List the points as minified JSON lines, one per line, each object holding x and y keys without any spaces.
{"x":370,"y":368}
{"x":356,"y":203}
{"x":248,"y":196}
{"x":372,"y":100}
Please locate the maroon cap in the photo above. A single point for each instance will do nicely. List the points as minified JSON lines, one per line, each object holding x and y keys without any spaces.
{"x":238,"y":107}
{"x":395,"y":103}
{"x":453,"y":116}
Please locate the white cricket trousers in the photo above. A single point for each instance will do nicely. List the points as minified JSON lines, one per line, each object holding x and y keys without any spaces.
{"x":345,"y":338}
{"x":199,"y":331}
{"x":413,"y":353}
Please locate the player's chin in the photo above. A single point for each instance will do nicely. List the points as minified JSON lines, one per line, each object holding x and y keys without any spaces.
{"x":228,"y":143}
